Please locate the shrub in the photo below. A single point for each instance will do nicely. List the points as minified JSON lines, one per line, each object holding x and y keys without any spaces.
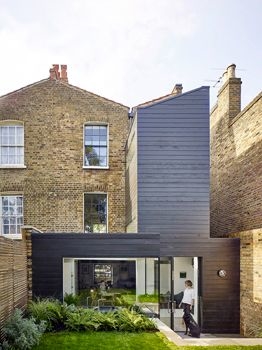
{"x":21,"y":333}
{"x":51,"y":311}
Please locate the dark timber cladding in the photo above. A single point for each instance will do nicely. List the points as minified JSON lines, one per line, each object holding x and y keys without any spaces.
{"x":173,"y":165}
{"x":48,"y":251}
{"x":219,"y":297}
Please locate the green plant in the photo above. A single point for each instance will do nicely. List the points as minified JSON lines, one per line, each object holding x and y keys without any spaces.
{"x":22,"y":333}
{"x":148,"y":298}
{"x":51,"y":311}
{"x":82,"y":320}
{"x":131,"y":321}
{"x":72,"y":299}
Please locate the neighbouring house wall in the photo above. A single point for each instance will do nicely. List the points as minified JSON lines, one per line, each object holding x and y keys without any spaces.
{"x":236,"y":178}
{"x":13,"y":278}
{"x":131,"y":179}
{"x":250,"y":281}
{"x":54,"y":181}
{"x":236,"y":170}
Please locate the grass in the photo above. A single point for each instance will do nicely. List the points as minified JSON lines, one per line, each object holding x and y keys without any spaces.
{"x":120,"y":341}
{"x":104,"y":341}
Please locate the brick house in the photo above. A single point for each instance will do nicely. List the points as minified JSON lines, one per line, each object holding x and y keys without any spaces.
{"x":236,"y":188}
{"x":104,"y":192}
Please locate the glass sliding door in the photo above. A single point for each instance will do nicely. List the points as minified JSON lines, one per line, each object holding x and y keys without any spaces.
{"x":173,"y":272}
{"x":166,"y":291}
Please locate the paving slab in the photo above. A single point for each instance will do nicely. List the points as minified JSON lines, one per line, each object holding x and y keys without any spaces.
{"x":206,"y":339}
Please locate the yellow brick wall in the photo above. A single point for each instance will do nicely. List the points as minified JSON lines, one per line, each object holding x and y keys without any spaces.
{"x":54,"y":181}
{"x":250,"y":281}
{"x":236,"y":200}
{"x":236,"y":168}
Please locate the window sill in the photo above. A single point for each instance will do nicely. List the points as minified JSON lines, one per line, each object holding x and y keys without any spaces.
{"x":14,"y":166}
{"x":12,"y":236}
{"x":96,"y":167}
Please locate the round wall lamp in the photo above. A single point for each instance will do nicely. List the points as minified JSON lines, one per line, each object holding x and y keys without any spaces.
{"x":222,"y":273}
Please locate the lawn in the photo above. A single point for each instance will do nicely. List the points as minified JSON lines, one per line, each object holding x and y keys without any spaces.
{"x":119,"y":341}
{"x":104,"y":341}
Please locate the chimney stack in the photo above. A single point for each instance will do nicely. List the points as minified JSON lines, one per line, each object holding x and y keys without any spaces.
{"x":56,"y":74}
{"x":177,"y":89}
{"x":229,"y":96}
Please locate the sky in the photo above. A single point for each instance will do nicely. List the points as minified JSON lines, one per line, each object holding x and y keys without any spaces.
{"x":132,"y":51}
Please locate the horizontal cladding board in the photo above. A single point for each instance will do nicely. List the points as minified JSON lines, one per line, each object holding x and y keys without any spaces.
{"x":170,"y":127}
{"x":171,"y":160}
{"x":171,"y":142}
{"x":181,"y":149}
{"x":182,"y":220}
{"x":178,"y":186}
{"x":190,"y":98}
{"x":181,"y":199}
{"x":183,"y":107}
{"x":176,"y":132}
{"x":173,"y":123}
{"x":169,"y":170}
{"x":165,"y":210}
{"x":170,"y":164}
{"x":157,"y":155}
{"x":191,"y":249}
{"x":172,"y":179}
{"x":91,"y":236}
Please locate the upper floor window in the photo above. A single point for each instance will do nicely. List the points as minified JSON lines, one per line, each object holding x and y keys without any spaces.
{"x":95,"y":212}
{"x":11,"y":210}
{"x":11,"y":144}
{"x":96,"y":146}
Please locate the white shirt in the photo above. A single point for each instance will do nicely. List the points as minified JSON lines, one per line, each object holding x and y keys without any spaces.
{"x":189,"y":296}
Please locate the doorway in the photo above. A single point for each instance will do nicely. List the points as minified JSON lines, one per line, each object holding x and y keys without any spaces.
{"x":173,"y":272}
{"x":155,"y":284}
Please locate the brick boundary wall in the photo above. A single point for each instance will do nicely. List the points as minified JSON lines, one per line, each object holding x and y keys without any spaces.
{"x":250,"y":281}
{"x":26,"y":236}
{"x":13,"y":278}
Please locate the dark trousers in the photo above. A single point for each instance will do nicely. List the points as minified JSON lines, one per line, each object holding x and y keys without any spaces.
{"x":186,"y":316}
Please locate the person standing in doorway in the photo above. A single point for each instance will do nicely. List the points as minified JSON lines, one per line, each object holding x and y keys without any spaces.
{"x":188,"y":302}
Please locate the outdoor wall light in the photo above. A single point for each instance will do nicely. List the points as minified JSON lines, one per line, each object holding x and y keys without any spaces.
{"x":222,"y":273}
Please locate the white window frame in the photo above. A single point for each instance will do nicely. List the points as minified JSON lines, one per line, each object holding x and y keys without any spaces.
{"x":107,"y":146}
{"x":11,"y":235}
{"x":104,"y":193}
{"x":15,"y":146}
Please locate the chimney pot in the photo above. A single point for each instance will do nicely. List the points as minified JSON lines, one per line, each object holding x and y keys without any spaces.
{"x":177,"y":89}
{"x":52,"y":74}
{"x":231,"y":71}
{"x":64,"y":73}
{"x":56,"y":74}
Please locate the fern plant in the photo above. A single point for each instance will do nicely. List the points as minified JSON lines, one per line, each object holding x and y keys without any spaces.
{"x":49,"y":310}
{"x":22,"y":333}
{"x":131,"y":321}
